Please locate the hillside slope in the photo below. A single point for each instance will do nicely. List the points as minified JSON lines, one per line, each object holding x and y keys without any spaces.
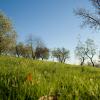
{"x":25,"y":79}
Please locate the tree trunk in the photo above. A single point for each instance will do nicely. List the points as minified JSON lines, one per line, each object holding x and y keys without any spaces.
{"x":17,"y":51}
{"x":33,"y":55}
{"x":82,"y":62}
{"x":42,"y":58}
{"x":64,"y":60}
{"x":92,"y":62}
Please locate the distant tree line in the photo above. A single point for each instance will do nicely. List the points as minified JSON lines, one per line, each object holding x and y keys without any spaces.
{"x":36,"y":48}
{"x":33,"y":48}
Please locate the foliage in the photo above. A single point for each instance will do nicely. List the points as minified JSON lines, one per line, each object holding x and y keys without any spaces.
{"x":42,"y":52}
{"x":23,"y":50}
{"x":7,"y":35}
{"x":5,"y":24}
{"x":61,"y":54}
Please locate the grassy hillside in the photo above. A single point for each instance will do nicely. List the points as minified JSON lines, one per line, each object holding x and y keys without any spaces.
{"x":25,"y":79}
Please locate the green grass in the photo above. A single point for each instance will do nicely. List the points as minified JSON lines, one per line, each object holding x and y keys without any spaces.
{"x":70,"y":82}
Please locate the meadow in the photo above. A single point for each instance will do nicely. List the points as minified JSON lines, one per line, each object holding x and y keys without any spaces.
{"x":26,"y":79}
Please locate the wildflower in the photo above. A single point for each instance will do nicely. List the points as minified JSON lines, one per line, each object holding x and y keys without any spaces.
{"x":29,"y":77}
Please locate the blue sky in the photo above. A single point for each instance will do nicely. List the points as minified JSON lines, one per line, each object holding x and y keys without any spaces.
{"x":52,"y":20}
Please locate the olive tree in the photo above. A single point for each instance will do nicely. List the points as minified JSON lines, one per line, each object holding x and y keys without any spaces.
{"x":23,"y":50}
{"x":42,"y":52}
{"x":61,"y":54}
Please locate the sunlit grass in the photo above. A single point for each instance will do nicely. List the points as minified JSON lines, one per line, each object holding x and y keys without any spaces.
{"x":25,"y":79}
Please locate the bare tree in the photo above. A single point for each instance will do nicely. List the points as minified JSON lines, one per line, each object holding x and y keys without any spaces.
{"x":38,"y":48}
{"x":30,"y":42}
{"x":86,"y":50}
{"x":38,"y":42}
{"x":90,"y":50}
{"x":90,"y":18}
{"x":80,"y":52}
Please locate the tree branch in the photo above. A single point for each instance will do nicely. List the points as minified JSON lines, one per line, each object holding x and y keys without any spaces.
{"x":96,"y":3}
{"x":89,"y":18}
